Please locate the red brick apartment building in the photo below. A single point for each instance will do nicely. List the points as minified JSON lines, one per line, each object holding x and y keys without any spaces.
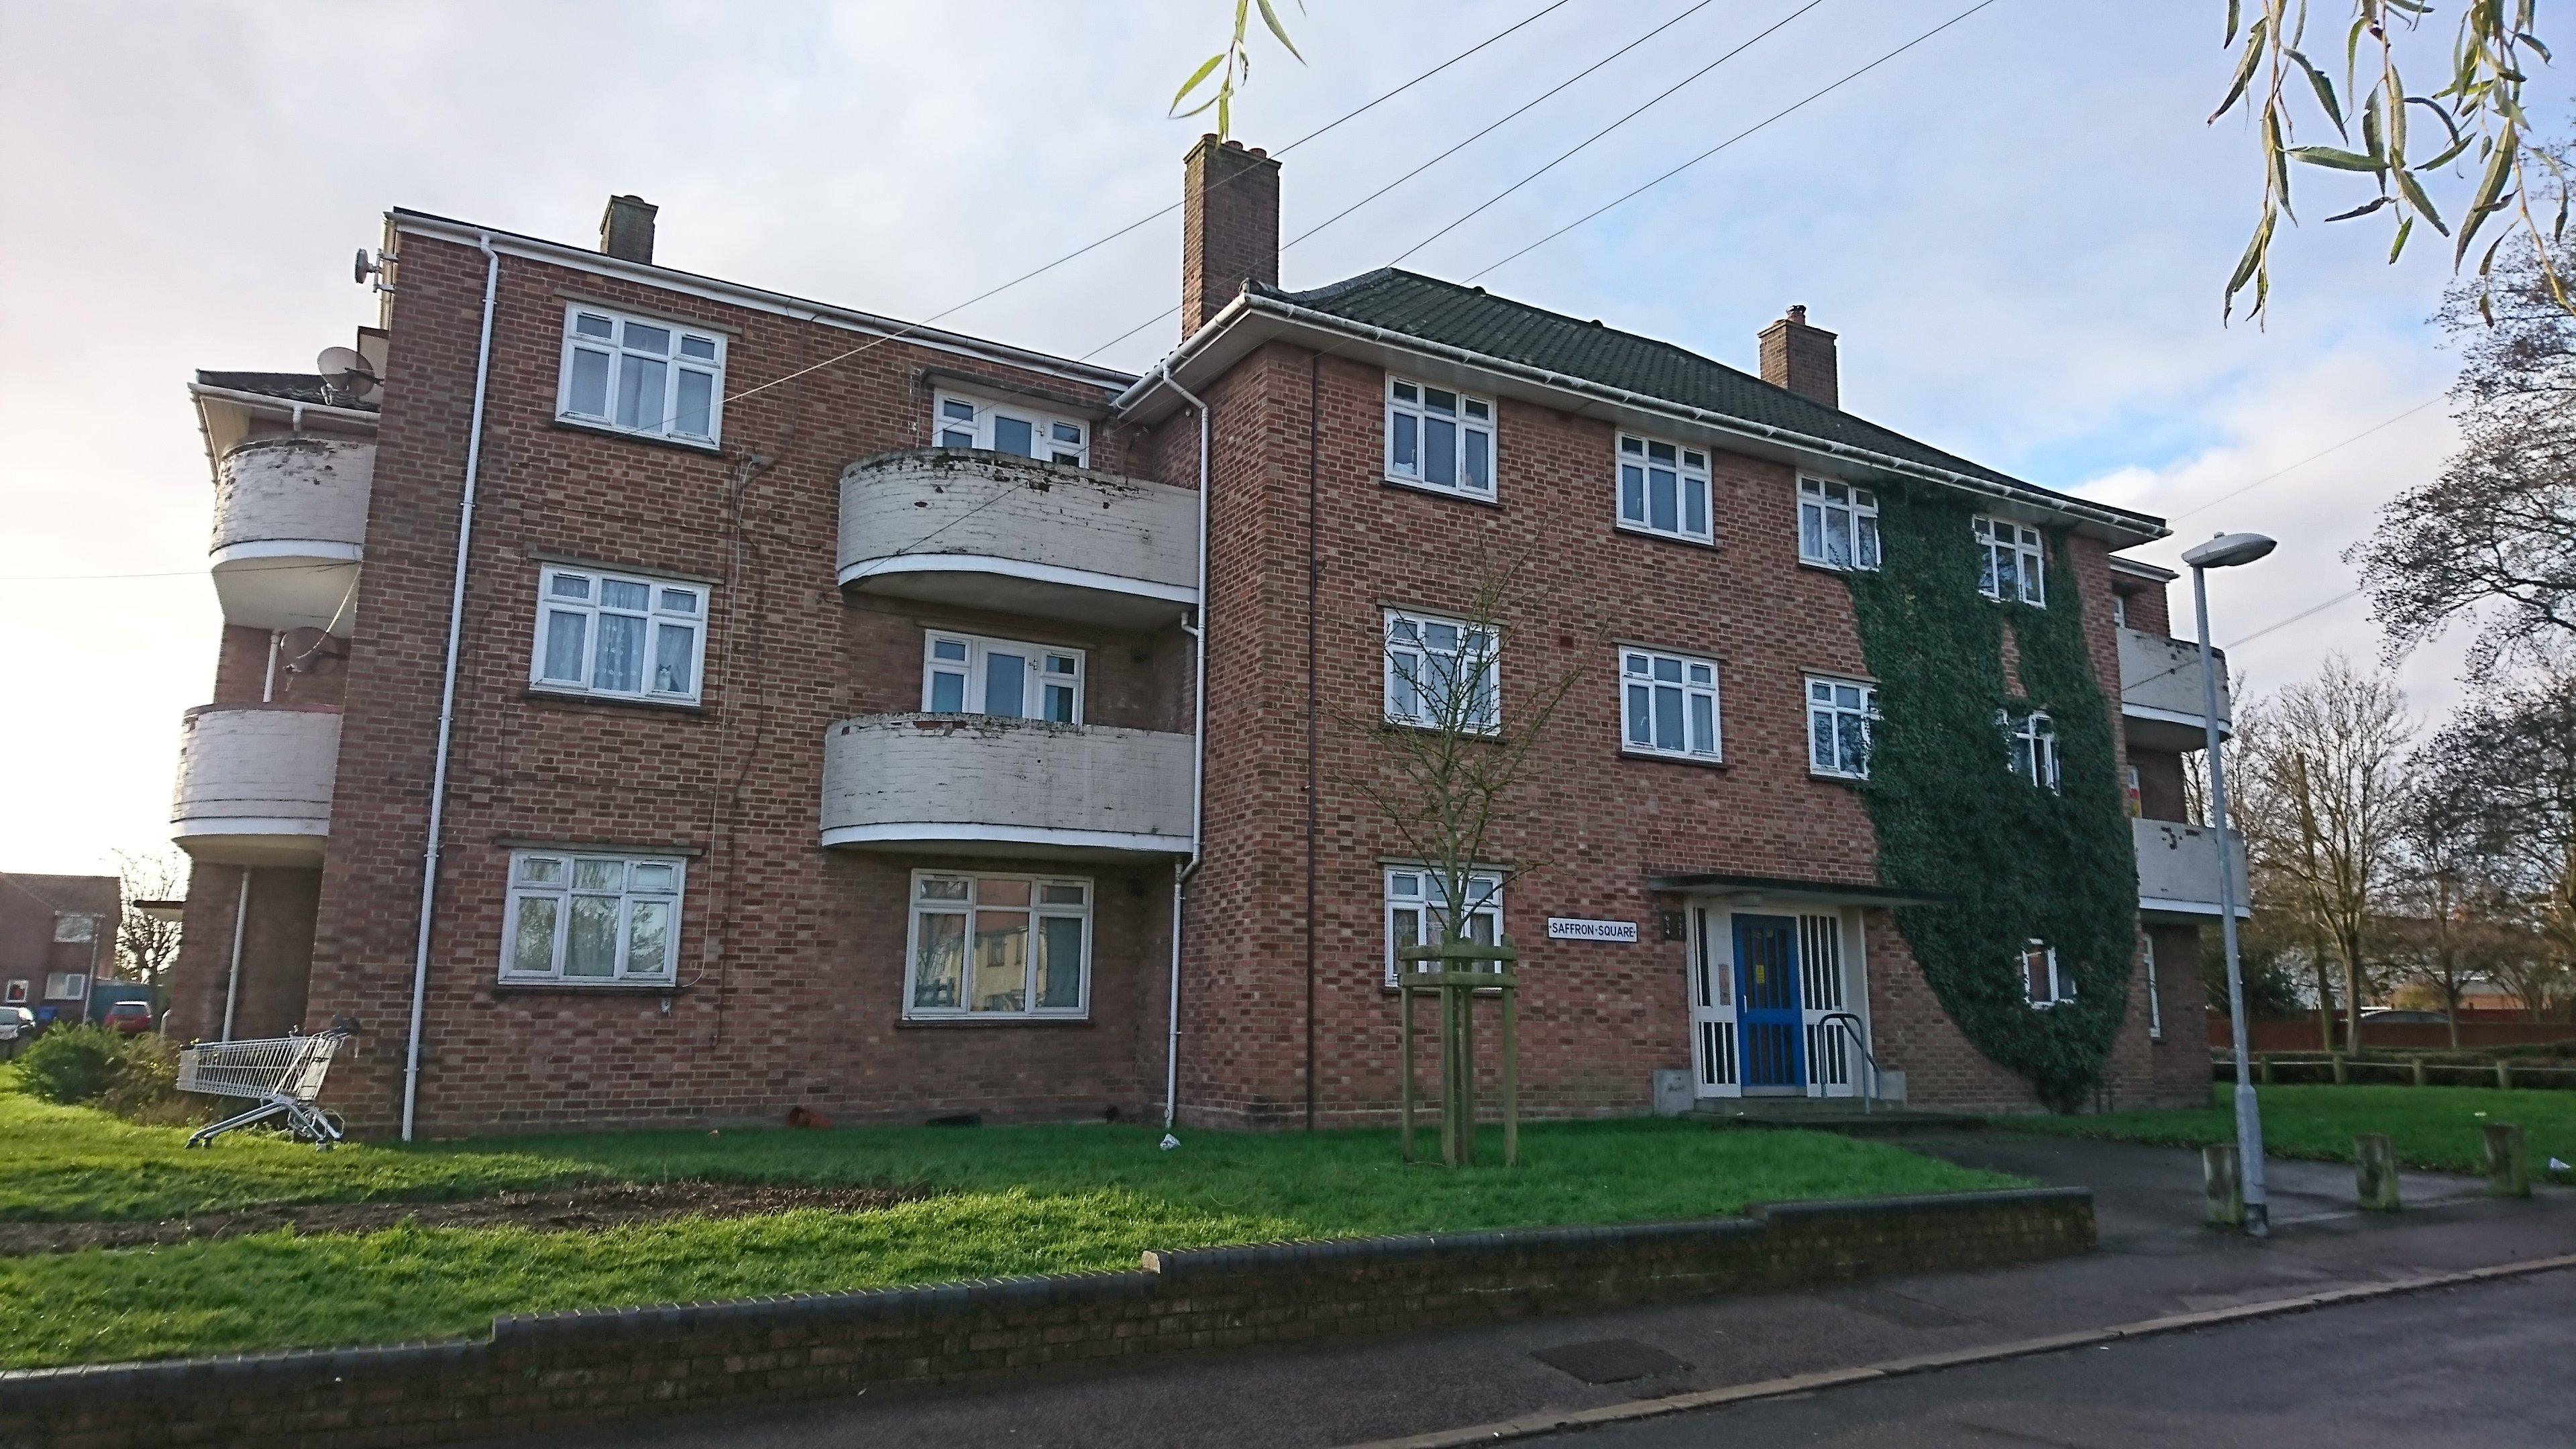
{"x":57,"y":940}
{"x":815,"y":713}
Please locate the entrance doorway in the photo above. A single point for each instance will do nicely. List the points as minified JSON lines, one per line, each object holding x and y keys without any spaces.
{"x":1769,"y":1022}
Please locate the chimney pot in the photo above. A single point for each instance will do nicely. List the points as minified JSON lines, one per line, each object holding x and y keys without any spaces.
{"x":1229,"y":227}
{"x":626,"y":229}
{"x":1802,"y":358}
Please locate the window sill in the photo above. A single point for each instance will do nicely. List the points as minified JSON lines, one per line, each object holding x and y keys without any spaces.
{"x":945,"y":1023}
{"x":1409,"y":485}
{"x":1851,"y":782}
{"x":585,"y":988}
{"x":539,"y":694}
{"x":650,"y":440}
{"x":1652,"y":757}
{"x":1639,"y":530}
{"x":1837,"y":570}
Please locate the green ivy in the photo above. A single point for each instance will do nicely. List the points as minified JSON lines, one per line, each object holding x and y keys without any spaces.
{"x":2010,"y":860}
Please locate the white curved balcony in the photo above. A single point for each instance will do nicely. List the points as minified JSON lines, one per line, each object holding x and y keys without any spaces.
{"x":2160,"y":693}
{"x":982,"y":785}
{"x":2178,"y":870}
{"x":1013,"y":535}
{"x":255,"y":783}
{"x":290,"y":525}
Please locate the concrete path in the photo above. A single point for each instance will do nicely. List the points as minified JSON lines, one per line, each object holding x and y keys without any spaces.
{"x":2155,"y":1259}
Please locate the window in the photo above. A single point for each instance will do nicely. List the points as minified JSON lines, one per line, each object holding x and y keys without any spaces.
{"x":965,"y":422}
{"x":2031,"y":750}
{"x":1417,"y":910}
{"x":1663,"y":488}
{"x":963,"y":674}
{"x":1667,"y":705}
{"x":2129,"y":783}
{"x":1442,"y":674}
{"x":67,"y":986}
{"x":2155,"y":1000}
{"x":15,"y":993}
{"x":1439,"y":439}
{"x":1837,"y":525}
{"x":597,"y":919}
{"x":1841,"y":713}
{"x":2120,"y":610}
{"x":75,"y":926}
{"x":2009,"y":563}
{"x":643,"y":377}
{"x":609,"y":634}
{"x":2046,"y":984}
{"x":989,"y":946}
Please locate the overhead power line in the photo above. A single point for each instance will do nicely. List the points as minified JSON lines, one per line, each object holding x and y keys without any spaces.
{"x":2240,"y":492}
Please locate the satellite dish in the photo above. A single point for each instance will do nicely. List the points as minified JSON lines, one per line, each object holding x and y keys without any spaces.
{"x":346,"y":370}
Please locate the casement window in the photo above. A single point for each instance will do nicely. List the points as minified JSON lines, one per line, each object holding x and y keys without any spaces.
{"x":2155,"y":999}
{"x":998,"y":946}
{"x":619,"y":636}
{"x":1667,"y":705}
{"x":1439,"y":439}
{"x":1002,"y":427}
{"x":2030,"y":747}
{"x":2046,"y":984}
{"x":2129,"y":785}
{"x":15,"y":993}
{"x":966,"y":674}
{"x":1442,"y":674}
{"x":1663,"y":488}
{"x":1417,"y":911}
{"x":1841,"y":714}
{"x":75,"y":926}
{"x":641,"y":376}
{"x":2011,"y":564}
{"x":586,"y":918}
{"x":2120,"y":610}
{"x":67,"y":986}
{"x":1837,"y":525}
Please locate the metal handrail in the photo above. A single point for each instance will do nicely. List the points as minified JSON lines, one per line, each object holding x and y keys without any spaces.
{"x":1853,"y":1027}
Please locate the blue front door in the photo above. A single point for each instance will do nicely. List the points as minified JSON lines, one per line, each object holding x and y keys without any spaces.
{"x":1766,"y":994}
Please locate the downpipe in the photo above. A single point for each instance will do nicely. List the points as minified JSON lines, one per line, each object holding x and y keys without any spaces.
{"x":1197,"y":630}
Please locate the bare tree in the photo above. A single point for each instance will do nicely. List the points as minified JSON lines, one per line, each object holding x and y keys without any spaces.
{"x":2325,"y":779}
{"x":2506,"y":766}
{"x":146,"y":945}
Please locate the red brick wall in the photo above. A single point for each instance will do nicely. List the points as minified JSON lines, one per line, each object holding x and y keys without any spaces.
{"x":276,"y":957}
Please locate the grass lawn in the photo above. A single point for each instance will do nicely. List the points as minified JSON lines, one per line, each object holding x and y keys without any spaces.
{"x":2438,"y":1128}
{"x":1007,"y":1200}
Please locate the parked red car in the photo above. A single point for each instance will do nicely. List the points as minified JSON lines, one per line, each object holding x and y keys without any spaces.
{"x":130,"y":1017}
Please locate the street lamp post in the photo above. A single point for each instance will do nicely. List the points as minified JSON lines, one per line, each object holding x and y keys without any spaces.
{"x":2226,"y":551}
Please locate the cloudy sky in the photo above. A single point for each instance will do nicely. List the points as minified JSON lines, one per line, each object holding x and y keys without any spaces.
{"x":2018,"y":228}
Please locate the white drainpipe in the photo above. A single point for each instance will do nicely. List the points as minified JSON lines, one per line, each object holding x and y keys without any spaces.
{"x":232,"y":979}
{"x":1197,"y":628}
{"x":447,"y":686}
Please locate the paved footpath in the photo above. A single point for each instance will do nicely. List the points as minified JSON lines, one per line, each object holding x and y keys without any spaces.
{"x":2155,"y":1260}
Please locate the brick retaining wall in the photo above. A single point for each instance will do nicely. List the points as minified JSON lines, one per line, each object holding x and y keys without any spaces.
{"x":554,"y":1371}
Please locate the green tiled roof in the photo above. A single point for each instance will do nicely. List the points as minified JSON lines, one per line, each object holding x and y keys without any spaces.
{"x":1477,"y":321}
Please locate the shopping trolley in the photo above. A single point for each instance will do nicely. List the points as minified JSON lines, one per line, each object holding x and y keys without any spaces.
{"x":283,"y":1074}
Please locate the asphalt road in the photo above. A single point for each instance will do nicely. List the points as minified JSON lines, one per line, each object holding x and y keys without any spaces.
{"x":2487,"y":1366}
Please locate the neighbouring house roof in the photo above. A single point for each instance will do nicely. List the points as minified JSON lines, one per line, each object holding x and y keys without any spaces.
{"x":1476,"y":320}
{"x":303,"y":387}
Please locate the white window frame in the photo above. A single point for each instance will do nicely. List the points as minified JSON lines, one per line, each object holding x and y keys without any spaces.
{"x":1412,"y":410}
{"x":1693,"y":678}
{"x":1824,"y":501}
{"x":2000,"y":541}
{"x":2155,"y":999}
{"x":1408,"y":648}
{"x":658,"y":613}
{"x":1040,"y":677}
{"x":1410,"y":913}
{"x":16,"y":992}
{"x":1638,"y":458}
{"x":2030,"y":748}
{"x":74,"y":986}
{"x":1866,"y":715}
{"x":981,"y":420}
{"x":624,"y":405}
{"x":532,"y":886}
{"x":75,"y":928}
{"x":1037,"y":909}
{"x":2061,"y":983}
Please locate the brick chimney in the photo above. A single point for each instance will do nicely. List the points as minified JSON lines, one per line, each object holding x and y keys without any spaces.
{"x":626,"y":229}
{"x":1229,"y":226}
{"x":1801,"y":359}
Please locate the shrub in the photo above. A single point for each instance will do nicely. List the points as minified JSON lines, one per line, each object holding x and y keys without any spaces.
{"x":132,"y":1076}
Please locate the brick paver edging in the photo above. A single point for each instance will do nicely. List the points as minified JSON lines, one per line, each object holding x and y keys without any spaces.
{"x":556,"y":1370}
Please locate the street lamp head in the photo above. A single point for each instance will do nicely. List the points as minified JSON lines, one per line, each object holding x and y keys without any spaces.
{"x":2228,"y":550}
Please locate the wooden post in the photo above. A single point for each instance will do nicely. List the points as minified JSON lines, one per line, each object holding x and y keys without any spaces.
{"x":2223,"y":1184}
{"x":1511,"y":1081}
{"x":1466,"y":1076}
{"x":2265,"y":1062}
{"x":2419,"y":1071}
{"x":1448,"y":1077}
{"x":1404,"y":1019}
{"x":2508,"y":1161}
{"x":2342,"y":1075}
{"x":2375,"y":1172}
{"x":2504,"y":1075}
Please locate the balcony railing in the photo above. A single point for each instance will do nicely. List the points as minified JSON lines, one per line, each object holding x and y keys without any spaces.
{"x":2160,"y":693}
{"x":980,"y":785}
{"x":290,"y":523}
{"x":2178,"y":869}
{"x":255,"y":783}
{"x":992,"y":531}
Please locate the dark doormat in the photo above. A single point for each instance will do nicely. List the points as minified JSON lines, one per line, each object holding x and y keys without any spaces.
{"x":1609,"y":1361}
